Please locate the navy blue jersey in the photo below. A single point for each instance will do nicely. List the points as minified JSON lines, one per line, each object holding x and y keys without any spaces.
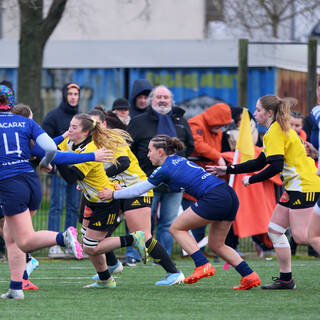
{"x":15,"y":134}
{"x":184,"y":175}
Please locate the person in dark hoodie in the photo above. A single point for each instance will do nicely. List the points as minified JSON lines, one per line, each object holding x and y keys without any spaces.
{"x":138,"y":98}
{"x":161,"y":117}
{"x":55,"y":123}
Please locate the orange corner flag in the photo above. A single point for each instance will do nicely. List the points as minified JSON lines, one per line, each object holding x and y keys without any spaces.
{"x":245,"y":142}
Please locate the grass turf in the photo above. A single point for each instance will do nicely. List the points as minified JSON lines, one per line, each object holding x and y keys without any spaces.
{"x":136,"y":297}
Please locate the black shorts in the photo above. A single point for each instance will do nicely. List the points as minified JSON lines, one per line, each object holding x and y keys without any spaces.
{"x":19,"y":193}
{"x":298,"y":200}
{"x":135,"y":203}
{"x":102,"y":216}
{"x":220,"y":204}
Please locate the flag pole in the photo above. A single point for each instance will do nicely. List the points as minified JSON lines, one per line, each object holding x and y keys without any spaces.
{"x":235,"y":159}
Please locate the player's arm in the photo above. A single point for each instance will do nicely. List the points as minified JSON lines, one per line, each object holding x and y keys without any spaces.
{"x":58,"y":139}
{"x":276,"y":166}
{"x":126,"y":193}
{"x":49,"y":147}
{"x":249,"y":166}
{"x":70,"y":173}
{"x":67,"y":157}
{"x":122,"y":165}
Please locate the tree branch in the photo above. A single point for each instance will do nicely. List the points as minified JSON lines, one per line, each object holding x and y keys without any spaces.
{"x":51,"y":21}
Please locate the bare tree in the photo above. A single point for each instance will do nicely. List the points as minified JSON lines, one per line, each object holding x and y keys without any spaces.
{"x":35,"y":30}
{"x":268,"y":16}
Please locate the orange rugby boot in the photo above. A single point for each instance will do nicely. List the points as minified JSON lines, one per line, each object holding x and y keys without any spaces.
{"x":207,"y":270}
{"x":248,"y":282}
{"x":28,"y":285}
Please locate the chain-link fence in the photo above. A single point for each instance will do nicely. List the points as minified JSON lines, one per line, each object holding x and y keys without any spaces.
{"x":40,"y":222}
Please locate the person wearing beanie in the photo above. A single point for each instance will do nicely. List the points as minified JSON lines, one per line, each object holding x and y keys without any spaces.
{"x":55,"y":123}
{"x":121,"y":108}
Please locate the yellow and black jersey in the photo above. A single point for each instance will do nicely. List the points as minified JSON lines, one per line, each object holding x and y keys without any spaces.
{"x":95,"y":178}
{"x":299,"y":171}
{"x":131,"y":175}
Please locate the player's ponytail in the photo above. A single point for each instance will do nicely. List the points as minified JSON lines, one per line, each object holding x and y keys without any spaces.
{"x":280,"y":109}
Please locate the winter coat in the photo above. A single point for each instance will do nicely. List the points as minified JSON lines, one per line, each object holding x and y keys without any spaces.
{"x":140,"y":86}
{"x":57,"y":121}
{"x":144,"y":127}
{"x":207,"y":145}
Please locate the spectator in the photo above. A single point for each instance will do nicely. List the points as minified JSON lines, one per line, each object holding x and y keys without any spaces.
{"x":138,"y":98}
{"x":121,"y":108}
{"x":55,"y":124}
{"x":161,"y":117}
{"x":296,"y":123}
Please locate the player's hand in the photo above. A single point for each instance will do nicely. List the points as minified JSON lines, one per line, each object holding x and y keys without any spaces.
{"x":117,"y":186}
{"x":65,"y":134}
{"x":45,"y":169}
{"x":103,"y":154}
{"x":106,"y":194}
{"x":245,"y":180}
{"x":221,"y":162}
{"x":311,"y":150}
{"x":217,"y":170}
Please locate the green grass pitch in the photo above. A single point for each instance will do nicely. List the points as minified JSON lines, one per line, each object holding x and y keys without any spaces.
{"x":136,"y":297}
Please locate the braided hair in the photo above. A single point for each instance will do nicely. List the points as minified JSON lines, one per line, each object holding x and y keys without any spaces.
{"x":169,"y":144}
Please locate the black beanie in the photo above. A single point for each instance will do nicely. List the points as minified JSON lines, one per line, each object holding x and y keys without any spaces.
{"x":120,"y":103}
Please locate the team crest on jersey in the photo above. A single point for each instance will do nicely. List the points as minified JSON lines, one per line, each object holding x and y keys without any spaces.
{"x":285,"y":197}
{"x":199,"y":132}
{"x":87,"y":212}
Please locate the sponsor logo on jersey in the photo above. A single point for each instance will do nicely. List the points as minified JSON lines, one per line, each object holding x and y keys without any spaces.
{"x":136,"y":203}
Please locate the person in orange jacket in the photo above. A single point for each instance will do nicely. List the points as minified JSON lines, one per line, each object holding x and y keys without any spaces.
{"x":207,"y":135}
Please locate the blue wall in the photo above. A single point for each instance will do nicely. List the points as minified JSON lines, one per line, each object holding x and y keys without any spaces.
{"x":219,"y":83}
{"x":191,"y":86}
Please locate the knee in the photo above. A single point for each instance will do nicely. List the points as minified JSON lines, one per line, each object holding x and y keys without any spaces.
{"x":89,"y":251}
{"x":25,"y":245}
{"x":172,"y":229}
{"x":300,"y":238}
{"x":90,"y":246}
{"x":215,"y":246}
{"x":278,"y":240}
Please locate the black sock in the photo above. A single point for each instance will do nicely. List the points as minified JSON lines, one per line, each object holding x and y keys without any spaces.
{"x":285,"y":276}
{"x":111,"y":258}
{"x":160,"y":255}
{"x":126,"y":241}
{"x":28,"y":257}
{"x":105,"y":275}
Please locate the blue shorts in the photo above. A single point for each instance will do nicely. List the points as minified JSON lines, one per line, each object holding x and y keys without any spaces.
{"x":19,"y":193}
{"x":220,"y":204}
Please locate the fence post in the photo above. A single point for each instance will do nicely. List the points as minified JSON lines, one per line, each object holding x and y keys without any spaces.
{"x":312,"y":74}
{"x":243,"y":73}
